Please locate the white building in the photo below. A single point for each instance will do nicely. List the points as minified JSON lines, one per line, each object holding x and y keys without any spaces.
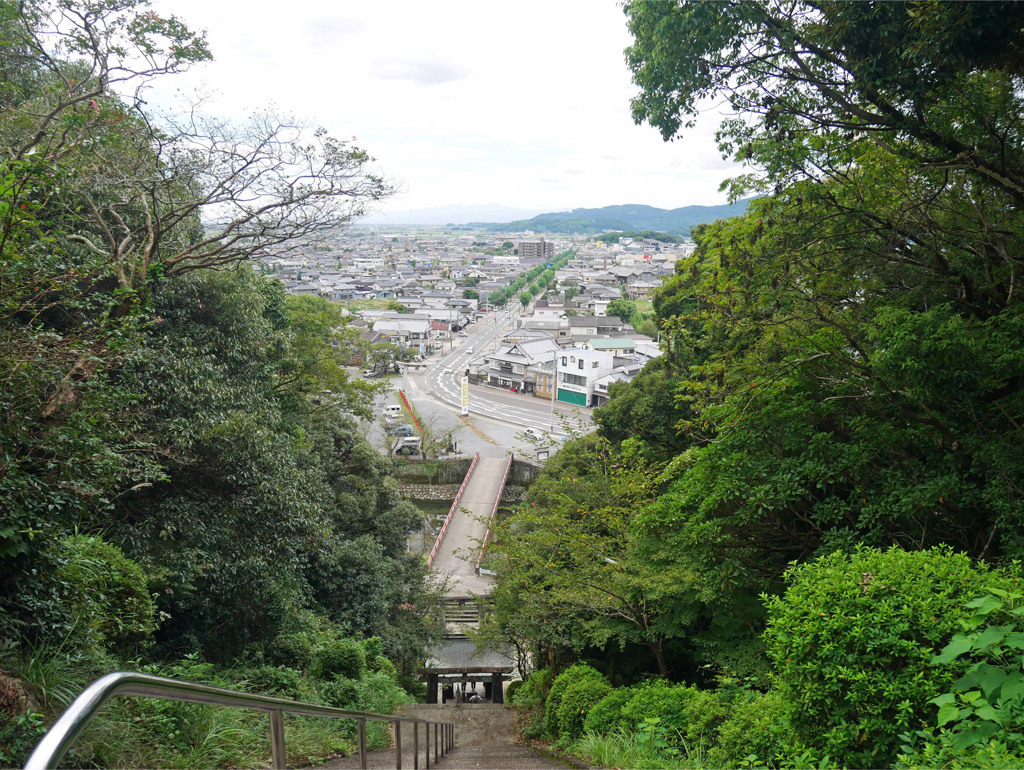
{"x":579,"y":370}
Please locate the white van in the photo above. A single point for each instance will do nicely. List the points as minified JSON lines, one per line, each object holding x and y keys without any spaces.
{"x":392,"y":410}
{"x":469,"y":349}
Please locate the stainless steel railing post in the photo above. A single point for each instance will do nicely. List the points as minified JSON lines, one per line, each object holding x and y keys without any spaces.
{"x":277,"y":750}
{"x":362,"y":742}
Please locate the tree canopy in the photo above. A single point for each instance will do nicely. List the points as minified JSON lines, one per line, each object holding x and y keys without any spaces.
{"x":159,"y":394}
{"x":843,"y":364}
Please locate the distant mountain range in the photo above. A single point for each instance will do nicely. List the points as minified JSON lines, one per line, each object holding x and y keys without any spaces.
{"x":630,"y":217}
{"x":450,"y":215}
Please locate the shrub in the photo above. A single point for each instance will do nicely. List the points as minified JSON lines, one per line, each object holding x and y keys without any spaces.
{"x":534,"y":690}
{"x":753,"y":727}
{"x":340,"y":657}
{"x":577,"y":701}
{"x":18,"y":737}
{"x":106,"y":595}
{"x":294,"y":650}
{"x":340,"y":692}
{"x":983,"y":714}
{"x":562,"y":682}
{"x":512,"y":689}
{"x":274,"y":680}
{"x":660,"y":700}
{"x":852,"y":639}
{"x":606,"y":714}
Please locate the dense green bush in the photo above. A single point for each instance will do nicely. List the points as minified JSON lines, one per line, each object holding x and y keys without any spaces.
{"x":340,"y":657}
{"x":753,"y":728}
{"x":106,"y":595}
{"x":533,"y":691}
{"x":273,"y":680}
{"x":577,"y":701}
{"x":606,"y":714}
{"x":852,"y":639}
{"x":341,"y":693}
{"x":295,"y":650}
{"x":704,"y":711}
{"x":660,"y":700}
{"x":512,"y":689}
{"x":530,"y":696}
{"x":18,"y":737}
{"x":562,"y":682}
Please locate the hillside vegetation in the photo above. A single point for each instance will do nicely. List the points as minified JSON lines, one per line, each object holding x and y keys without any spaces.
{"x":184,"y":485}
{"x":628,"y":217}
{"x":795,"y":538}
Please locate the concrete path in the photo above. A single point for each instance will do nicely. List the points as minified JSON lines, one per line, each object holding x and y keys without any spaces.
{"x":485,"y":737}
{"x":457,"y":555}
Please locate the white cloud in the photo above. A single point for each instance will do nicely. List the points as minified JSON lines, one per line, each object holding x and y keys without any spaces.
{"x":462,"y":101}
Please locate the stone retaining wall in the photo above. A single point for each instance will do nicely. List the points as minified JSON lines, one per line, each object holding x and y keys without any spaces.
{"x":523,"y":472}
{"x":428,"y":491}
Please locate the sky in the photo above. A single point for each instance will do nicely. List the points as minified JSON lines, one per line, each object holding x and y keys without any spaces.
{"x":524,"y":103}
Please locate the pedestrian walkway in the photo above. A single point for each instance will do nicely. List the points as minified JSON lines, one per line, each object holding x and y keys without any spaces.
{"x":457,"y":554}
{"x":485,"y":737}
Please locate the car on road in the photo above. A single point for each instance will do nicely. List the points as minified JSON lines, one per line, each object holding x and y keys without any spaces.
{"x":447,"y":370}
{"x":411,"y":445}
{"x":535,"y":434}
{"x":405,"y":429}
{"x":370,"y":373}
{"x":463,"y":334}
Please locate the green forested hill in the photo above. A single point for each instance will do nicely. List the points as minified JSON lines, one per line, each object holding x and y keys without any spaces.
{"x":625,"y":217}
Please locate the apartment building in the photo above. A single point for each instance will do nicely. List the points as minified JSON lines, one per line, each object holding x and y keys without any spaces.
{"x":537,"y":250}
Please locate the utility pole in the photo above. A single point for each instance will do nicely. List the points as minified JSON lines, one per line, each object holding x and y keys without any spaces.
{"x":554,"y":385}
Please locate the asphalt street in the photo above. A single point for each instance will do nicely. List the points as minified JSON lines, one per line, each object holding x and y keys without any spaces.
{"x":497,"y":418}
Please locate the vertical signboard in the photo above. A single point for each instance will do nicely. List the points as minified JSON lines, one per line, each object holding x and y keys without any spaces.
{"x":465,"y":396}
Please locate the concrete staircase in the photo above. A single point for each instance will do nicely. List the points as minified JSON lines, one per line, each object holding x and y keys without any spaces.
{"x":459,"y":613}
{"x":485,"y":737}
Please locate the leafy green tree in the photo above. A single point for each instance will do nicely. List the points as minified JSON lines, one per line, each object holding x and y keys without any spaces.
{"x":623,"y":308}
{"x":525,"y":298}
{"x":569,"y":551}
{"x":813,"y":81}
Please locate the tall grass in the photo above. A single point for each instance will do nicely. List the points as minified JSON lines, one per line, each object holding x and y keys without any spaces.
{"x":625,"y":749}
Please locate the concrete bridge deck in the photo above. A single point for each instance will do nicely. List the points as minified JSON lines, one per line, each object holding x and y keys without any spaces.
{"x":456,"y":557}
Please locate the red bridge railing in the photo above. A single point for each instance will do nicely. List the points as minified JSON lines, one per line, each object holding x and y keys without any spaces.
{"x":451,"y":512}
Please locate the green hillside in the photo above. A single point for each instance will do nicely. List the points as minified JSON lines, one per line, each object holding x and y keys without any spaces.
{"x":624,"y":217}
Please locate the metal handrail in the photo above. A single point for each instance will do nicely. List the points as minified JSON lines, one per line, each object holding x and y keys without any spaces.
{"x":76,"y":717}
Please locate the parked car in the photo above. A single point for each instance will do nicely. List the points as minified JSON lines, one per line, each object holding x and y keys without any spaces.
{"x":371,"y":373}
{"x":405,"y":429}
{"x":410,"y":446}
{"x":463,"y":334}
{"x":391,"y":410}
